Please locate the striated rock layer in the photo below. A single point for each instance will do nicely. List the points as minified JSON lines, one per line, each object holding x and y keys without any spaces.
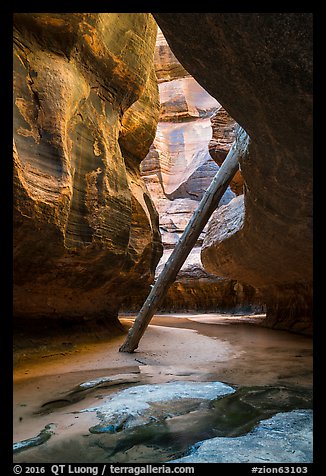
{"x":259,"y":67}
{"x":86,"y":107}
{"x":178,"y":167}
{"x":224,"y":128}
{"x":193,"y":129}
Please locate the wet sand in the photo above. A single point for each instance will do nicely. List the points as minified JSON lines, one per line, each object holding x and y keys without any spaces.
{"x":184,"y":347}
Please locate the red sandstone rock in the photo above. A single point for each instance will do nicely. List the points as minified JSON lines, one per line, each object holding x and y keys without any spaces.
{"x":85,"y":113}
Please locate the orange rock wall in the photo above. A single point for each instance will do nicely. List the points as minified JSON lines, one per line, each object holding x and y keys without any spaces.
{"x":86,"y":107}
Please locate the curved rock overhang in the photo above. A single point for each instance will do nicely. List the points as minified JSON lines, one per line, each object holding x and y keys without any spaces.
{"x":259,"y":67}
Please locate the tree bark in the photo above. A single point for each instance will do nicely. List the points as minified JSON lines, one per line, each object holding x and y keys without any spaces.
{"x":207,"y":205}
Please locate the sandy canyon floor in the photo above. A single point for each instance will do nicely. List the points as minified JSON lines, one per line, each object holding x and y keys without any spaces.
{"x":194,"y":377}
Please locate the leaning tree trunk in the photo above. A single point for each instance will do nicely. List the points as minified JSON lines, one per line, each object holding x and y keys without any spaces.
{"x":207,"y":205}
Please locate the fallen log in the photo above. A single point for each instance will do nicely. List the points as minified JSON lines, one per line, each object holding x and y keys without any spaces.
{"x":207,"y":205}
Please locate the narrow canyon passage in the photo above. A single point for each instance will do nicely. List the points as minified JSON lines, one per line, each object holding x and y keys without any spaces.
{"x":121,"y":123}
{"x":267,"y":371}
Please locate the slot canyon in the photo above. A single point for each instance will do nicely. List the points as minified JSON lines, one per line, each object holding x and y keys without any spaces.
{"x":121,"y":123}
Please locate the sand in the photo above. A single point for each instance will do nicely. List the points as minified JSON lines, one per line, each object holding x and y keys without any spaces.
{"x":188,"y":347}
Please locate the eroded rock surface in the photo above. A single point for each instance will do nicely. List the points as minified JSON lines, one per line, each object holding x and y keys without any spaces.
{"x":86,"y":107}
{"x":141,"y":405}
{"x":224,"y":132}
{"x":37,"y":440}
{"x":284,"y":438}
{"x":207,"y":420}
{"x":196,"y":289}
{"x":193,"y":129}
{"x":179,"y":168}
{"x":259,"y":67}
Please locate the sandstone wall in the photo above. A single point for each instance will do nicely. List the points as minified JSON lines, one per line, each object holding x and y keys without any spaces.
{"x":224,"y":127}
{"x":86,"y":107}
{"x":259,"y":67}
{"x":193,"y":129}
{"x":179,"y":168}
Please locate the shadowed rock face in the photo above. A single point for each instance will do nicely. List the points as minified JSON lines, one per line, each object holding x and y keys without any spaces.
{"x":259,"y":67}
{"x":85,"y":113}
{"x":196,"y":289}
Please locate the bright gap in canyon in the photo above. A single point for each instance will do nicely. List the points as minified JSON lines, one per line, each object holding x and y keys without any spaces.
{"x":121,"y":122}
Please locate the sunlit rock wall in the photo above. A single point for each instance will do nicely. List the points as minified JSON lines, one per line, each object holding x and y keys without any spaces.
{"x":86,"y":107}
{"x":224,"y":131}
{"x":179,"y":168}
{"x":193,"y":137}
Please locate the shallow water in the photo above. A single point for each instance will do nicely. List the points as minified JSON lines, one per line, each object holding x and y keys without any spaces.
{"x":269,"y":372}
{"x":166,"y":426}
